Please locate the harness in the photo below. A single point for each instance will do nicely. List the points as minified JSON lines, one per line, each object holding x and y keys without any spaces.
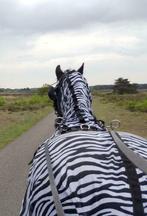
{"x":83,"y":127}
{"x":131,"y":160}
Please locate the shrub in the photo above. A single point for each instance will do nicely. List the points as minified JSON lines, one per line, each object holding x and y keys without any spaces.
{"x":133,"y":102}
{"x":122,"y":86}
{"x":33,"y":102}
{"x":44,"y":89}
{"x":131,"y":106}
{"x":138,"y":106}
{"x":2,"y":101}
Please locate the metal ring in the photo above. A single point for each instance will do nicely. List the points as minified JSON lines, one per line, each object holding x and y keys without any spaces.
{"x":114,"y":124}
{"x":59,"y":120}
{"x":84,"y":127}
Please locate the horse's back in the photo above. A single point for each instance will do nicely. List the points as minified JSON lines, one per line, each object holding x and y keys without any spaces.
{"x":89,"y":173}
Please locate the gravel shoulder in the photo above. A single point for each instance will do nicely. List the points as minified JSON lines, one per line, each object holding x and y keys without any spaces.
{"x":14,"y":159}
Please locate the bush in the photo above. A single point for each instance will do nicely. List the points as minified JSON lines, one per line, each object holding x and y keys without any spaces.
{"x":133,"y":102}
{"x":44,"y":89}
{"x":138,"y":106}
{"x":2,"y":101}
{"x":131,"y":106}
{"x":22,"y":103}
{"x":123,"y":86}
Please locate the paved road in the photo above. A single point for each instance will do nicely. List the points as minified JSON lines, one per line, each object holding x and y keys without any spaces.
{"x":14,"y":160}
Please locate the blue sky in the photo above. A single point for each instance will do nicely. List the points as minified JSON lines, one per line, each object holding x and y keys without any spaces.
{"x":36,"y":35}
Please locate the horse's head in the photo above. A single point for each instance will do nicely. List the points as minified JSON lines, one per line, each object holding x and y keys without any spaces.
{"x":72,"y":99}
{"x":70,"y":92}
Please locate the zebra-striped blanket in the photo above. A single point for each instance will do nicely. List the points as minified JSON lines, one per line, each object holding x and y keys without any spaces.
{"x":89,"y":173}
{"x":92,"y":176}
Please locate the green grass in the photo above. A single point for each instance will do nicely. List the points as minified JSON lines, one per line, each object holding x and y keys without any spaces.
{"x":18,"y":114}
{"x":132,"y":102}
{"x":21,"y":103}
{"x":107,"y":110}
{"x":138,"y":105}
{"x":21,"y":123}
{"x":2,"y":101}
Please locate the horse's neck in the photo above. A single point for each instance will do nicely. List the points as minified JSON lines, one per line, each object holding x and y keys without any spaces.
{"x":75,"y":114}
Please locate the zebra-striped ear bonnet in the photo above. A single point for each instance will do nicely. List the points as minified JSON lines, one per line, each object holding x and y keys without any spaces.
{"x":72,"y":100}
{"x":52,"y":93}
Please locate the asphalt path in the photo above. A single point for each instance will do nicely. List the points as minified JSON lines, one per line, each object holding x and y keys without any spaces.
{"x":14,"y":167}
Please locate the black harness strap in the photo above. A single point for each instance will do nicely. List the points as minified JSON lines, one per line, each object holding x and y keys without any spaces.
{"x":57,"y":202}
{"x":130,"y":169}
{"x":134,"y":186}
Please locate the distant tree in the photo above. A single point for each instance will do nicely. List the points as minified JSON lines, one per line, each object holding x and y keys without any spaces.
{"x":122,"y":86}
{"x":43,"y":90}
{"x":1,"y":90}
{"x":23,"y":90}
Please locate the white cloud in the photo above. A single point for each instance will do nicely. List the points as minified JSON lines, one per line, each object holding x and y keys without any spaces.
{"x":35,"y":36}
{"x":47,"y":16}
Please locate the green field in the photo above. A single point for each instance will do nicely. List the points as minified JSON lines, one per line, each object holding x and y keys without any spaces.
{"x":23,"y":103}
{"x":19,"y":113}
{"x":108,"y":106}
{"x":132,"y":102}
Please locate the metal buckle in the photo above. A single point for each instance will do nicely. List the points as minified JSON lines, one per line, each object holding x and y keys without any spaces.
{"x":59,"y":120}
{"x":84,"y":127}
{"x":114,"y":124}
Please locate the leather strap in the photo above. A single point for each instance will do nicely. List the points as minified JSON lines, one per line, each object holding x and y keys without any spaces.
{"x":57,"y":202}
{"x":135,"y":158}
{"x":83,"y":127}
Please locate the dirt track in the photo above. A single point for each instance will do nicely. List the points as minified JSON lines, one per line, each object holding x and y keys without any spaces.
{"x":14,"y":167}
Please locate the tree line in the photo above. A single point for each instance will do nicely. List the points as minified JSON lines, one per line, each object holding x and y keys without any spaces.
{"x":120,"y":86}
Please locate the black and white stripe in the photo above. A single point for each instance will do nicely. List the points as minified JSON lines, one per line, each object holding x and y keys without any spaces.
{"x":90,"y":175}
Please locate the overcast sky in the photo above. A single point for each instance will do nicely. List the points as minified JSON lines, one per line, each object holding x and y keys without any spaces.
{"x":110,"y":36}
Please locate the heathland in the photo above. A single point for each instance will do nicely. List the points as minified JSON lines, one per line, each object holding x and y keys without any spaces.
{"x":129,"y":109}
{"x":20,"y":112}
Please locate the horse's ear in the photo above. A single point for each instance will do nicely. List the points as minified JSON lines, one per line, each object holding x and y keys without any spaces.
{"x":81,"y":69}
{"x":59,"y":72}
{"x":51,"y":93}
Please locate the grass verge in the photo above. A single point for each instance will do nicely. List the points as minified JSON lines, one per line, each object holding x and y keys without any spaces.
{"x":133,"y":122}
{"x":132,"y":102}
{"x":13,"y":124}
